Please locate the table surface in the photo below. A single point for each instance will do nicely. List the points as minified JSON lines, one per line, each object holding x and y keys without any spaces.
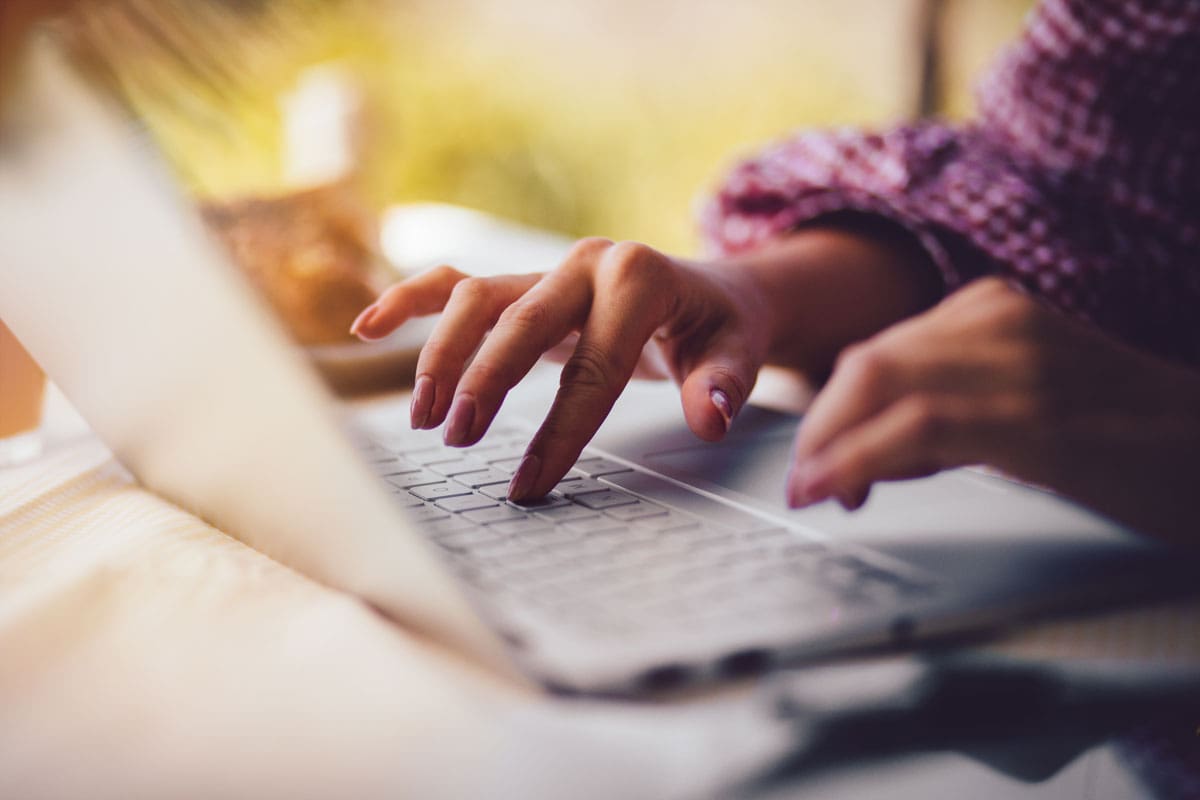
{"x":145,"y":654}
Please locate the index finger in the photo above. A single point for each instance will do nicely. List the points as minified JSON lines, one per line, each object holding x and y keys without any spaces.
{"x":418,"y":296}
{"x":863,"y":383}
{"x":630,"y":304}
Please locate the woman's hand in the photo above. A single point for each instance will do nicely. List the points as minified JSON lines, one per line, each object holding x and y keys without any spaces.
{"x":706,"y":324}
{"x":990,"y":376}
{"x":624,"y":309}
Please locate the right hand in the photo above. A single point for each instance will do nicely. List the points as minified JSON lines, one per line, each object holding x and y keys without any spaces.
{"x":708,"y":325}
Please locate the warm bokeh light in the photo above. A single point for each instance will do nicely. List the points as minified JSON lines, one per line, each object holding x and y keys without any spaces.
{"x":588,"y":117}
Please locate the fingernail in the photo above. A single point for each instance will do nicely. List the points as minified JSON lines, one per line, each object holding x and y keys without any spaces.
{"x":524,"y":478}
{"x":852,"y":501}
{"x":807,"y":485}
{"x":422,"y":402}
{"x":460,"y":420}
{"x":796,"y":498}
{"x":364,"y":318}
{"x":721,"y":401}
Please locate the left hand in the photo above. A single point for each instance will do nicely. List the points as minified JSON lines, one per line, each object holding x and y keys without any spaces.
{"x":991,"y":376}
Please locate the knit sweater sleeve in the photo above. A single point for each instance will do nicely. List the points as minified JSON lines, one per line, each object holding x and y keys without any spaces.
{"x":1079,"y":178}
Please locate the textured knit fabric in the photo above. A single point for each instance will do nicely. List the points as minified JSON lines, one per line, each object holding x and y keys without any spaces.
{"x":1079,"y":178}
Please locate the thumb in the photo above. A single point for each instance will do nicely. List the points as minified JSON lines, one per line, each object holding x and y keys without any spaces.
{"x":716,"y":388}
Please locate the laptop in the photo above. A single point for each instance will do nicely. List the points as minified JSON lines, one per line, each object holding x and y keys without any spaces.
{"x":658,"y":562}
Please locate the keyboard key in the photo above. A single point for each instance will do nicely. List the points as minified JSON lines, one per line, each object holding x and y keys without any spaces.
{"x":507,"y":430}
{"x":437,"y":491}
{"x":382,"y":461}
{"x":482,"y":477}
{"x":442,"y":456}
{"x":501,"y":549}
{"x":468,"y":502}
{"x":672,"y":520}
{"x":450,"y":525}
{"x":559,"y":540}
{"x":521,"y":526}
{"x":489,"y":516}
{"x":579,"y":486}
{"x":596,"y":467}
{"x":425,"y":514}
{"x":562,"y":513}
{"x":552,"y":500}
{"x":419,"y":451}
{"x":671,"y":494}
{"x":404,"y":499}
{"x":505,"y":457}
{"x":466,"y":540}
{"x":420,"y":477}
{"x":496,"y":491}
{"x":605,"y":499}
{"x":414,"y":450}
{"x":593,"y":524}
{"x":600,"y":545}
{"x":638,"y":509}
{"x":457,"y":467}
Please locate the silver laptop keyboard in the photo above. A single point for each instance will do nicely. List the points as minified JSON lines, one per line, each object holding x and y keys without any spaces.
{"x":616,"y":549}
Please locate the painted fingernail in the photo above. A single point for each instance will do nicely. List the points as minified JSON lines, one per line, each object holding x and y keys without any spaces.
{"x":363,"y":319}
{"x":721,"y":401}
{"x":796,"y":498}
{"x":853,"y":500}
{"x":808,"y":484}
{"x":460,"y":420}
{"x":524,"y":478}
{"x":422,"y":402}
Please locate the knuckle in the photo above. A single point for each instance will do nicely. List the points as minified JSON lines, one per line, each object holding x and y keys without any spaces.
{"x":1024,"y":408}
{"x":629,"y":261}
{"x":488,"y":373}
{"x":926,"y":419}
{"x":527,"y":314}
{"x":589,"y":247}
{"x":990,"y":286}
{"x":631,"y":251}
{"x":865,"y":366}
{"x":588,"y":367}
{"x":447,"y":273}
{"x":437,"y":358}
{"x":1011,"y":311}
{"x":437,"y":352}
{"x":471,"y":291}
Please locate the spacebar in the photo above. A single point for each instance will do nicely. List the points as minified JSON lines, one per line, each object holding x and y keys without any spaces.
{"x":670,"y":494}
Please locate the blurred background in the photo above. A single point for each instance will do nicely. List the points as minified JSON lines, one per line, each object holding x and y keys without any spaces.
{"x":607,"y":117}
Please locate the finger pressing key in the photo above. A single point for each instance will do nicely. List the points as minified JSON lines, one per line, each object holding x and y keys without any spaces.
{"x":526,"y":329}
{"x":634,"y":295}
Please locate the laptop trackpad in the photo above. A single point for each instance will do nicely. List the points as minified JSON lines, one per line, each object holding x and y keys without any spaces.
{"x":960,"y":506}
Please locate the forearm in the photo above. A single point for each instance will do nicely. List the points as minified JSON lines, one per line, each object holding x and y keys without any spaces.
{"x":834,"y":282}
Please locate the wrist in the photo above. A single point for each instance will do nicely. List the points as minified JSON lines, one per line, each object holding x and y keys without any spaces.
{"x":834,"y":282}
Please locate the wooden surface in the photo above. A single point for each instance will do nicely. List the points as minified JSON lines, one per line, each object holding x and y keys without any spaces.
{"x":145,"y":654}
